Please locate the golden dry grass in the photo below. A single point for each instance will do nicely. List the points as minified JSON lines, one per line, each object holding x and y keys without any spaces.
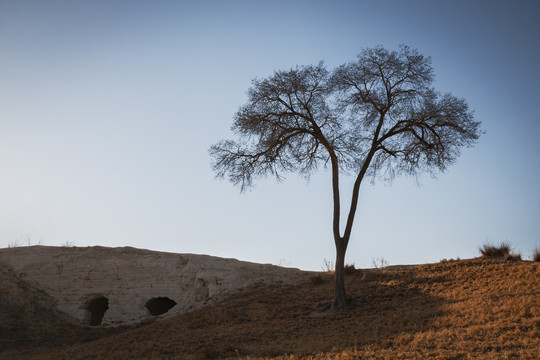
{"x":472,"y":309}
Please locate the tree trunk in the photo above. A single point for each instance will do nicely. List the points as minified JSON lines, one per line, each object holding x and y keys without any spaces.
{"x":340,"y":300}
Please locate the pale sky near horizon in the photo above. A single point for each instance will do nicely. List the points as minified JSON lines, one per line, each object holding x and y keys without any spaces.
{"x":108,"y":108}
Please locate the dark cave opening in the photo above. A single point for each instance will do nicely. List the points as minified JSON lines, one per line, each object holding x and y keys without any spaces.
{"x":97,"y":308}
{"x":159,"y":305}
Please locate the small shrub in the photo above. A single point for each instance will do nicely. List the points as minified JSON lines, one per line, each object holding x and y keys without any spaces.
{"x":536,"y":255}
{"x":316,"y":280}
{"x":349,"y":269}
{"x":15,"y":243}
{"x":503,"y":251}
{"x":492,"y":251}
{"x":24,"y":242}
{"x":379,"y":263}
{"x":328,"y":266}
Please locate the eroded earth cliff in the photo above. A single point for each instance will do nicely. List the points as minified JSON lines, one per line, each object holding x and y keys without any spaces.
{"x":117,"y":286}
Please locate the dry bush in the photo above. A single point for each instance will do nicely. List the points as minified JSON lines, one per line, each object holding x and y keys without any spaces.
{"x":329,"y":269}
{"x":379,"y":263}
{"x":349,"y":269}
{"x":492,"y":251}
{"x":15,"y":244}
{"x":503,"y":251}
{"x":536,"y":255}
{"x":328,"y":266}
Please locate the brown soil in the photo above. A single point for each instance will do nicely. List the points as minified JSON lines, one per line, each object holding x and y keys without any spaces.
{"x":471,"y":309}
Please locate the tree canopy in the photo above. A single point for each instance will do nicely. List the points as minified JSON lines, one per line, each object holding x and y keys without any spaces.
{"x":377,"y":116}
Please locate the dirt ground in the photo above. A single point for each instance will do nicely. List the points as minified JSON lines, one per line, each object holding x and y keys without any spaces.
{"x":469,"y":309}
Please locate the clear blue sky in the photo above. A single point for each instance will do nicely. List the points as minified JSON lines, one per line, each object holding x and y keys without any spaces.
{"x":107,"y":110}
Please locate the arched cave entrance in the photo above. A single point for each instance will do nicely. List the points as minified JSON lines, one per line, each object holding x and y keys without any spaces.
{"x":97,"y":308}
{"x":159,"y":305}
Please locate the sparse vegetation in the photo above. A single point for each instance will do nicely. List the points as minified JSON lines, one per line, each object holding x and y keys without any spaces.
{"x":536,"y":255}
{"x":15,"y":243}
{"x":468,"y":309}
{"x":379,"y":263}
{"x":68,"y":244}
{"x":27,"y":241}
{"x":503,"y":251}
{"x":492,"y":251}
{"x":328,"y":266}
{"x":349,"y":269}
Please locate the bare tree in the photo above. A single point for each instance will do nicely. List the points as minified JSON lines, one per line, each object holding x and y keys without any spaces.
{"x":378,"y":116}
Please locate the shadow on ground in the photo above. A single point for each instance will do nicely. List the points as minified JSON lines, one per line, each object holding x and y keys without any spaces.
{"x":276,"y":320}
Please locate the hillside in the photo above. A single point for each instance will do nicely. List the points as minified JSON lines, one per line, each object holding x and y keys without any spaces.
{"x":471,"y":309}
{"x":124,"y":286}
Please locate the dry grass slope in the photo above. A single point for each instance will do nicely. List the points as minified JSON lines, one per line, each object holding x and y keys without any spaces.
{"x":472,"y":309}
